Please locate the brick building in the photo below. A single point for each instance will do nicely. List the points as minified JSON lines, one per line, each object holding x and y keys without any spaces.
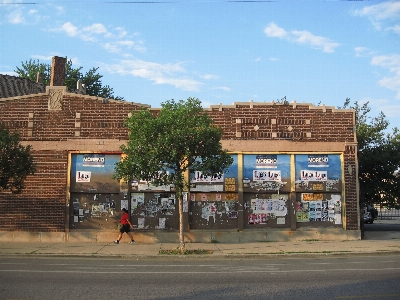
{"x":294,"y":173}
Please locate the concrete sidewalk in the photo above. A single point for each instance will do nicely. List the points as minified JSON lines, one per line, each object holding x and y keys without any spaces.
{"x":374,"y":243}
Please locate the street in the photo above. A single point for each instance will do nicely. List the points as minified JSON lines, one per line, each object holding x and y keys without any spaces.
{"x":379,"y":225}
{"x":307,"y":277}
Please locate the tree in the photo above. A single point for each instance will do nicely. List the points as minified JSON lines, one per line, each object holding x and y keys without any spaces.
{"x":91,"y":79}
{"x":16,"y":162}
{"x":378,"y":157}
{"x":162,"y":148}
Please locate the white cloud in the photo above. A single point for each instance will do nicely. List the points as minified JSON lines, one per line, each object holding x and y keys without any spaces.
{"x":19,"y":14}
{"x":395,"y":29}
{"x":362,"y":52}
{"x":382,"y":105}
{"x":318,"y":42}
{"x":9,"y":73}
{"x":69,"y":29}
{"x":302,"y":37}
{"x":381,"y":13}
{"x":121,"y":32}
{"x":96,"y":28}
{"x":75,"y":60}
{"x":209,"y":76}
{"x":110,"y":47}
{"x":390,"y":110}
{"x":155,"y":72}
{"x":222,"y":88}
{"x":392,"y":63}
{"x":126,"y":43}
{"x":42,"y":57}
{"x":15,"y":17}
{"x":206,"y":104}
{"x":98,"y":33}
{"x":139,"y":47}
{"x":117,"y":47}
{"x":272,"y":30}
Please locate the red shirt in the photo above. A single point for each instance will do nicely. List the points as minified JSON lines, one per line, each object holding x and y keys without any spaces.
{"x":124,"y":218}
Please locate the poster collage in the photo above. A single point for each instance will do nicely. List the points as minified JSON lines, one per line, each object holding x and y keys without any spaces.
{"x":310,"y":209}
{"x":318,"y":179}
{"x":261,"y":210}
{"x":95,"y":196}
{"x":268,"y":177}
{"x":161,"y":206}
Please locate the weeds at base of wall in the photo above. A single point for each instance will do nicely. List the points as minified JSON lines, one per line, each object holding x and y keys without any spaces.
{"x":315,"y":252}
{"x":187,"y":252}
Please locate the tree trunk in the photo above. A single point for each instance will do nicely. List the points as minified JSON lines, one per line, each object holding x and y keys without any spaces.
{"x":182,"y":247}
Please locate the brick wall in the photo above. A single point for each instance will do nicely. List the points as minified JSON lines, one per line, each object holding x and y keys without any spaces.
{"x":78,"y":118}
{"x":288,"y":122}
{"x":350,"y":177}
{"x":58,"y":125}
{"x":41,"y":205}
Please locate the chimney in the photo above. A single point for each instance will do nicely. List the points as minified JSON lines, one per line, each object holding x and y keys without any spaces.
{"x":57,"y":77}
{"x":39,"y":77}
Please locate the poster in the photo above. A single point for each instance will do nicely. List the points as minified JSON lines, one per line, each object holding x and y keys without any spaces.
{"x":137,"y":199}
{"x":266,"y":173}
{"x":315,"y":208}
{"x":92,"y":173}
{"x":161,"y":223}
{"x":261,"y":210}
{"x":220,"y":182}
{"x":318,"y":172}
{"x":140,"y":223}
{"x":124,"y":204}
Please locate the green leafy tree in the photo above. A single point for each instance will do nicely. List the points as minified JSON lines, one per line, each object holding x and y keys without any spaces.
{"x":91,"y":79}
{"x":162,"y":148}
{"x":378,"y":157}
{"x":16,"y":162}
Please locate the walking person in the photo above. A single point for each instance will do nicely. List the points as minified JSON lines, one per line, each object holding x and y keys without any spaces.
{"x":126,"y":226}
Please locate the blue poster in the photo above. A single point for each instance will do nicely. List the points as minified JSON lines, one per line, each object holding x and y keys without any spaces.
{"x":318,"y":172}
{"x":92,"y":173}
{"x":266,"y":173}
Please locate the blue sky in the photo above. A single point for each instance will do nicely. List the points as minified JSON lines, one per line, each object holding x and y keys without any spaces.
{"x":317,"y":52}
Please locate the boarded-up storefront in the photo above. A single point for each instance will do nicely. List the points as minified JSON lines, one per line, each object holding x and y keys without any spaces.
{"x":295,"y":167}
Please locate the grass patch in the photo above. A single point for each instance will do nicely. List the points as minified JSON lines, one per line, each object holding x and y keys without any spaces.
{"x":311,"y":240}
{"x":187,"y":252}
{"x":336,"y":251}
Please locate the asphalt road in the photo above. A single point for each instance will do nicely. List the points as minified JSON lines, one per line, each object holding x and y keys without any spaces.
{"x":330,"y":277}
{"x":381,"y":226}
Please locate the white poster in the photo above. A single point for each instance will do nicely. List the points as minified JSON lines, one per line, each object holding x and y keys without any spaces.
{"x":140,"y":223}
{"x":136,"y":199}
{"x":200,"y":177}
{"x":161,"y":223}
{"x":310,"y":175}
{"x":267,"y":175}
{"x":83,"y":176}
{"x":124,"y":204}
